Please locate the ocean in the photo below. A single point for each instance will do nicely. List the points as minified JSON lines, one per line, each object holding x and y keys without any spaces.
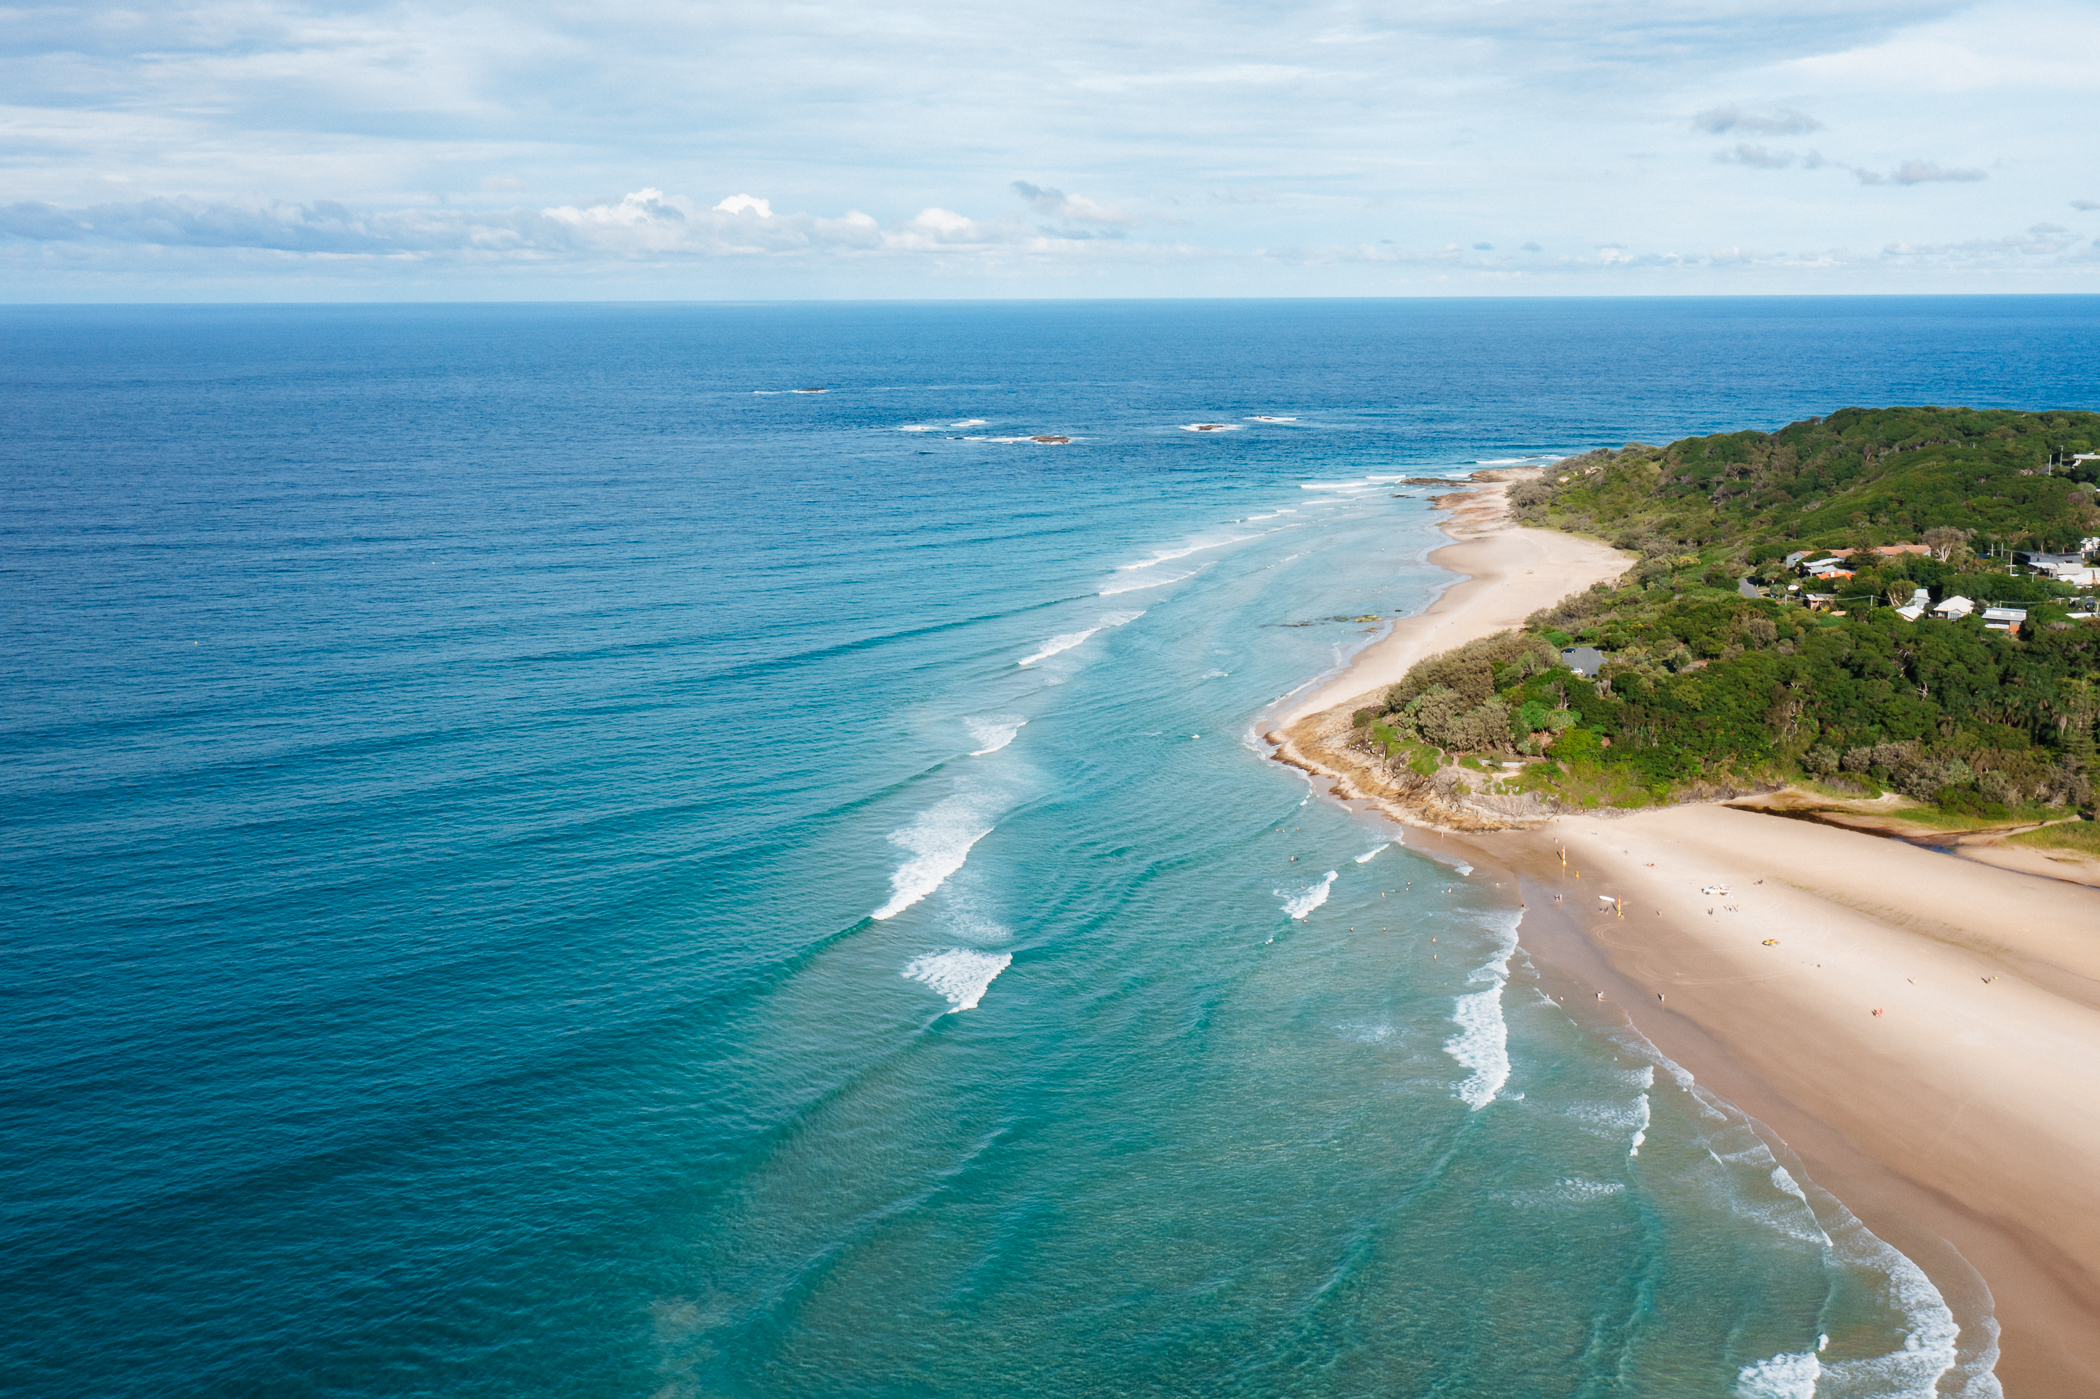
{"x":541,"y":858}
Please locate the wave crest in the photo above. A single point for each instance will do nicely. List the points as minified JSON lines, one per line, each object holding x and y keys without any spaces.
{"x":1482,"y":1041}
{"x":961,"y":975}
{"x":940,"y":839}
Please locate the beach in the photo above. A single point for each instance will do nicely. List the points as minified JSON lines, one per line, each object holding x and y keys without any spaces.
{"x":1506,"y":574}
{"x":1921,"y":1031}
{"x":1968,"y":1107}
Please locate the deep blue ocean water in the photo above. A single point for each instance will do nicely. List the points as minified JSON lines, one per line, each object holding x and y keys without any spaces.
{"x":454,"y":757}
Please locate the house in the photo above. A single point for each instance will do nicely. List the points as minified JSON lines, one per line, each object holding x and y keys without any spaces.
{"x":2041,"y":562}
{"x":1915,"y":608}
{"x":1954,"y":607}
{"x":1794,"y":559}
{"x":2003,"y":618}
{"x":1585,"y":661}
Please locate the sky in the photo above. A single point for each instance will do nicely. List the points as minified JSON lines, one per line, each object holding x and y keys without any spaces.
{"x":624,"y":149}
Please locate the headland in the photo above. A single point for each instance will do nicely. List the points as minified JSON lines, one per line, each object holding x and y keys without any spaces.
{"x":1921,"y":1030}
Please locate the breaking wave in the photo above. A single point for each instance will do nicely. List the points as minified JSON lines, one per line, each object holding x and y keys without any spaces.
{"x":960,"y":974}
{"x":1169,"y":555}
{"x":1297,"y":903}
{"x":1057,"y":644}
{"x":1158,"y":583}
{"x":994,"y":731}
{"x":939,"y":840}
{"x":1792,"y":1375}
{"x":1482,"y":1041}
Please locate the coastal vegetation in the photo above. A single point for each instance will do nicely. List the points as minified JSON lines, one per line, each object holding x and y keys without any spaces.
{"x":1715,"y":676}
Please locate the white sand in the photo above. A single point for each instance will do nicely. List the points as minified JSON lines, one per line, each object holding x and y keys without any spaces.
{"x":1509,"y":573}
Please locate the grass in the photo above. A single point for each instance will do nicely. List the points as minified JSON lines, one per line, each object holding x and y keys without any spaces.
{"x":1580,"y":782}
{"x":2080,"y":837}
{"x":1942,"y":820}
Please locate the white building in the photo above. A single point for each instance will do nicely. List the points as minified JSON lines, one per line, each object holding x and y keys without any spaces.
{"x":1954,"y":607}
{"x":2003,"y":618}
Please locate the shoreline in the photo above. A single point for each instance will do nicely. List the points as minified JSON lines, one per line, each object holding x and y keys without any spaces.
{"x":1506,"y":573}
{"x":1961,"y":1124}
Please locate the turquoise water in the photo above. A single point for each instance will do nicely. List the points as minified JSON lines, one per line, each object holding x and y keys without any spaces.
{"x":542,"y":861}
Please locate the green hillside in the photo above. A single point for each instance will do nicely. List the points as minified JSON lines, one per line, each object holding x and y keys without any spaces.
{"x":1859,"y":476}
{"x":1704,"y":687}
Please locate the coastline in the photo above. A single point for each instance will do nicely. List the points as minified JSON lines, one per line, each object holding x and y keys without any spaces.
{"x":1506,"y":573}
{"x":1961,"y":1124}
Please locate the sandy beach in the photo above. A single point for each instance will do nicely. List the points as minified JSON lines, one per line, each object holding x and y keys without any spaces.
{"x":1961,"y":1122}
{"x":1507,"y":573}
{"x":1967,"y":1109}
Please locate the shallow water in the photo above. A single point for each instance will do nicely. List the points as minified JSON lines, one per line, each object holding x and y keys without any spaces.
{"x":540,"y":861}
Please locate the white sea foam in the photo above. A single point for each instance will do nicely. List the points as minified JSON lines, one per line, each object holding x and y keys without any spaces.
{"x":980,"y":929}
{"x":1273,"y":514}
{"x":1269,"y":418}
{"x":1372,"y":853}
{"x":939,"y":840}
{"x":1790,"y":1375}
{"x":1156,"y":583}
{"x":918,"y":427}
{"x":1577,"y":1190}
{"x":1928,"y":1351}
{"x":1066,"y":642}
{"x":959,"y":974}
{"x":1297,"y":903}
{"x":994,"y":731}
{"x":1482,"y":1041}
{"x":1644,"y":1116}
{"x":970,"y":422}
{"x":1057,"y":644}
{"x":1210,"y":427}
{"x":1169,"y":555}
{"x":1930,"y":1361}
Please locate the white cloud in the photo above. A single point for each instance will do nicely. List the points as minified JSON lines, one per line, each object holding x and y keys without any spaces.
{"x":1056,"y":204}
{"x":1719,"y":121}
{"x":1756,"y":156}
{"x":1916,"y":172}
{"x":274,"y":136}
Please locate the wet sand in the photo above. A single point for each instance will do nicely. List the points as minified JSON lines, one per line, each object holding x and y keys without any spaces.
{"x":1962,"y":1123}
{"x":1967,"y":1113}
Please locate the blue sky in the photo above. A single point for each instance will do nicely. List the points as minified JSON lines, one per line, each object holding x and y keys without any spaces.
{"x":259,"y":149}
